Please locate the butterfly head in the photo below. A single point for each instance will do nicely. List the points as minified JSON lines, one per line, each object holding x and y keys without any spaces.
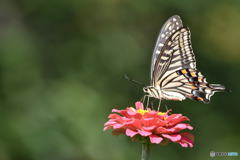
{"x":152,"y":92}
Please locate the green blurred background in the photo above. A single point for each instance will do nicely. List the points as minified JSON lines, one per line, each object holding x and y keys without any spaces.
{"x":61,"y":72}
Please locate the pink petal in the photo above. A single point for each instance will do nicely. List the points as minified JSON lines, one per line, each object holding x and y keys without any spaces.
{"x":139,"y":105}
{"x":176,"y":118}
{"x":162,"y":130}
{"x":168,"y":111}
{"x":117,"y":126}
{"x":151,"y":114}
{"x":108,"y":123}
{"x":116,"y":110}
{"x":130,"y":132}
{"x":107,"y":127}
{"x":161,"y":123}
{"x":144,"y":133}
{"x":183,"y":144}
{"x":155,"y":139}
{"x":149,"y":128}
{"x":131,"y":112}
{"x":122,"y":112}
{"x":114,"y":116}
{"x":135,"y":123}
{"x":172,"y":137}
{"x":179,"y":127}
{"x":190,"y":127}
{"x":148,"y":121}
{"x":187,"y":140}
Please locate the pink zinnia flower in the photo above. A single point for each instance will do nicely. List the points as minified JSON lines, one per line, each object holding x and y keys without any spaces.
{"x":158,"y":127}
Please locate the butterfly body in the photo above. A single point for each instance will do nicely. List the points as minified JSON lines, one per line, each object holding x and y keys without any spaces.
{"x":174,"y":75}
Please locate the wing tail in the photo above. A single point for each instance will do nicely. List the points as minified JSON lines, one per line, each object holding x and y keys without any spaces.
{"x":218,"y":87}
{"x":205,"y":93}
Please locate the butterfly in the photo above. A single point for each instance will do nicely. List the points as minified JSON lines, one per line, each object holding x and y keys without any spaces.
{"x":174,"y":75}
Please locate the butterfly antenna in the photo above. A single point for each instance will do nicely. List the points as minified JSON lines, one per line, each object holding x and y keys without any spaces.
{"x":133,"y":81}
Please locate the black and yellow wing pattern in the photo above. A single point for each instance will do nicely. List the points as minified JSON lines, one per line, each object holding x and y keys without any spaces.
{"x":173,"y":69}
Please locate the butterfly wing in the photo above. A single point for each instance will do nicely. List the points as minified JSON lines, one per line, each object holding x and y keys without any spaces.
{"x":175,"y":72}
{"x":188,"y":83}
{"x":176,"y":54}
{"x":170,"y":26}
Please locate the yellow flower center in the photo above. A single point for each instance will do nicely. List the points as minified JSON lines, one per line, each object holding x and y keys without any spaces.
{"x":142,"y":111}
{"x":161,"y":113}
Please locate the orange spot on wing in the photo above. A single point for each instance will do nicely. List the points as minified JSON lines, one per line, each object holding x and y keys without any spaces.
{"x":199,"y":99}
{"x":184,"y":71}
{"x":200,"y":79}
{"x":193,"y":74}
{"x":194,"y":87}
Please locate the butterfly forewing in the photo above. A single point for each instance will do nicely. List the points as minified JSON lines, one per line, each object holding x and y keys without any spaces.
{"x":170,"y":26}
{"x":176,"y":54}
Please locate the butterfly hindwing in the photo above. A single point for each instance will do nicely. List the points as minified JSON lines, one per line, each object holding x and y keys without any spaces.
{"x":188,"y":83}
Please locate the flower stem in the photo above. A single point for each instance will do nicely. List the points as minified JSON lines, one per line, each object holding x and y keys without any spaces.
{"x":145,"y":151}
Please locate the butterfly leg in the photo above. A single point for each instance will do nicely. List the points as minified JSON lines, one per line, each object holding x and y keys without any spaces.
{"x":147,"y":101}
{"x":159,"y":104}
{"x":143,"y":99}
{"x":166,"y":107}
{"x":152,"y":104}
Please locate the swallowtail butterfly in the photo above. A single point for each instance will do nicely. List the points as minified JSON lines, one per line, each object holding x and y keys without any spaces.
{"x":174,"y":75}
